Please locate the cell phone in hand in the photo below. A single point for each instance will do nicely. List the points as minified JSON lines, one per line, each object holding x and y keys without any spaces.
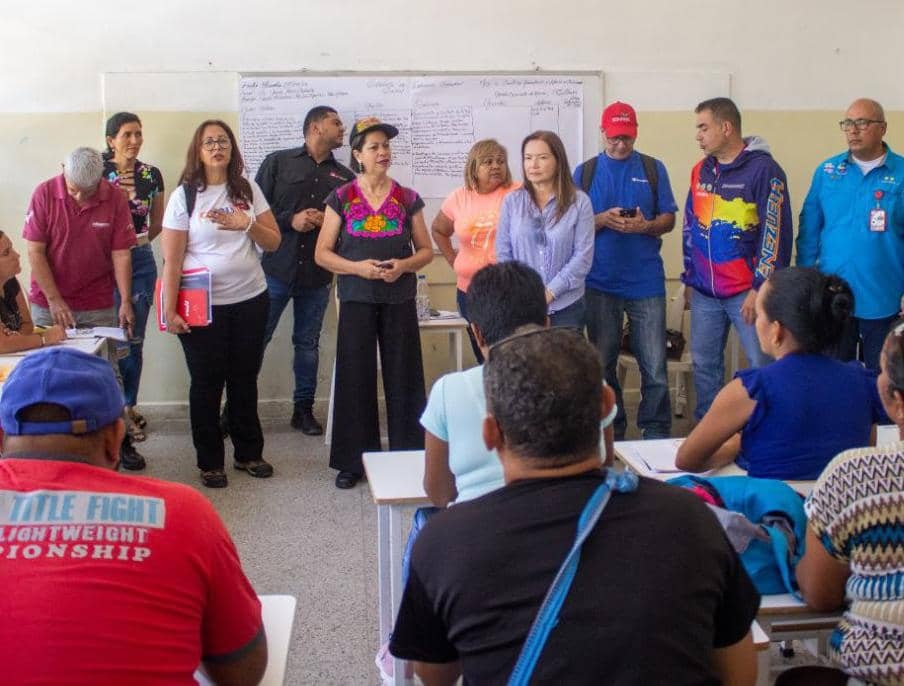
{"x":632,"y":212}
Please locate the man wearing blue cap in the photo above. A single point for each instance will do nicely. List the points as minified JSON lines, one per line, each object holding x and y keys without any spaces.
{"x":109,"y":578}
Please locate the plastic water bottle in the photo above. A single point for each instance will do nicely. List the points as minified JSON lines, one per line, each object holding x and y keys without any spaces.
{"x":422,"y":298}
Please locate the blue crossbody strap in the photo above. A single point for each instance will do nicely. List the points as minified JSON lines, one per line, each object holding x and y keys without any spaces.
{"x":548,"y":614}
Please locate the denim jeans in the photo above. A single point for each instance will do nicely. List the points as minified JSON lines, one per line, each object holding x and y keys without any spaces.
{"x":144,"y":278}
{"x":710,"y":318}
{"x":308,"y":307}
{"x":646,"y":319}
{"x":869,"y":334}
{"x":571,"y":317}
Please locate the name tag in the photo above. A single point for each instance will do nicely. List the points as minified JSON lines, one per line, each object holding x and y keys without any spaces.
{"x":877,"y":220}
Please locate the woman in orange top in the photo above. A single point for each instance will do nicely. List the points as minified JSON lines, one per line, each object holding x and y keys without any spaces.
{"x":470,"y":213}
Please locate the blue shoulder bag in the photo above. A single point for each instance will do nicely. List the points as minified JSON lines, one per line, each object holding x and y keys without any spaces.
{"x":548,"y":614}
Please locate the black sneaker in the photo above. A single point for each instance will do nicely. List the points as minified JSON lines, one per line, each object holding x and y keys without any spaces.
{"x":303,"y":419}
{"x":346,"y":480}
{"x":130,"y":458}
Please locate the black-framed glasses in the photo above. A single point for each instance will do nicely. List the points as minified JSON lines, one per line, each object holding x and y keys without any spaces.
{"x":525,"y":332}
{"x":211,"y":144}
{"x":539,"y":230}
{"x":858,"y":124}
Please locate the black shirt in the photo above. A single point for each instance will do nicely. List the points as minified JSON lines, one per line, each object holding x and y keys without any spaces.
{"x":379,"y":233}
{"x":292,"y":181}
{"x":658,"y":586}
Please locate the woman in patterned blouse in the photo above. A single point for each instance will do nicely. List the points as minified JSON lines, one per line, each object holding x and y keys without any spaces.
{"x":374,"y":237}
{"x":855,"y":546}
{"x":142,"y":185}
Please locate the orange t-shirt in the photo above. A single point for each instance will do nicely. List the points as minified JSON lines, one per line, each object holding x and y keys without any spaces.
{"x":474,"y":216}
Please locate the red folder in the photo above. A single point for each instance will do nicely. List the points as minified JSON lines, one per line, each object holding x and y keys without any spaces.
{"x":194,"y":305}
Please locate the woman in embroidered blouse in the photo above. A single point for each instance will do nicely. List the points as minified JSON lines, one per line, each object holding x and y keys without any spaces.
{"x":374,"y":237}
{"x":221,"y":230}
{"x":142,"y":184}
{"x":17,"y":331}
{"x":471,"y":213}
{"x":788,"y":419}
{"x":548,"y":224}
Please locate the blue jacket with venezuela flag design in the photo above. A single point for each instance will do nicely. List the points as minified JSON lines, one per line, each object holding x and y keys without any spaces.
{"x":737,"y":222}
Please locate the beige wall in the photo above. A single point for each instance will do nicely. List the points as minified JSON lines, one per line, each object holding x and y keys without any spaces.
{"x":34,"y":143}
{"x":792,"y":68}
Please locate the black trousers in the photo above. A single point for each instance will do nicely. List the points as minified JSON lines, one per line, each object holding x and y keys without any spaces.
{"x":356,"y":424}
{"x":226,"y":353}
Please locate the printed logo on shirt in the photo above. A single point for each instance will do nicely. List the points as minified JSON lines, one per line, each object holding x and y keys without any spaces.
{"x":771,"y":228}
{"x":78,"y":525}
{"x":483,"y":231}
{"x":635,"y":179}
{"x":735,"y":186}
{"x":100,"y":225}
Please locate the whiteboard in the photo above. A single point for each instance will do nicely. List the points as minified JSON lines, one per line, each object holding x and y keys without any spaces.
{"x":439,"y":117}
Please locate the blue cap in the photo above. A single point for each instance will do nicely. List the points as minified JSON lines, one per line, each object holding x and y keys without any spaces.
{"x":83,"y":384}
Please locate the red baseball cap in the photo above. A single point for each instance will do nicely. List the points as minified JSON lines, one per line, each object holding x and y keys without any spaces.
{"x":619,"y":119}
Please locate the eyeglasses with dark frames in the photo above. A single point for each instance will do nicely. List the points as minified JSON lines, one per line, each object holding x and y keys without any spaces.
{"x":857,"y":124}
{"x":211,"y":144}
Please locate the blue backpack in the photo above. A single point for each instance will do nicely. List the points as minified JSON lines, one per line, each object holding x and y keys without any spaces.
{"x":765,"y":521}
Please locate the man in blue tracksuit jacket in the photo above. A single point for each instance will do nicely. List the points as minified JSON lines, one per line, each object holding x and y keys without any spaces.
{"x":737,"y":231}
{"x":852,"y":225}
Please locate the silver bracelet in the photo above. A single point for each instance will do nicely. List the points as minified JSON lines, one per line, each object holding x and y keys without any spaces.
{"x":250,"y":224}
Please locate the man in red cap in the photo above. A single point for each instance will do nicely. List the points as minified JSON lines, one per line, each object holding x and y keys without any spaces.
{"x":633,"y":206}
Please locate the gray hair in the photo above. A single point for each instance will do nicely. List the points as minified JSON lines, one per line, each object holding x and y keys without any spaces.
{"x":83,"y":168}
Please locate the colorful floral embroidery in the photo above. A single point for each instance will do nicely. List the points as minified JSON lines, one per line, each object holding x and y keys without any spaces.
{"x":147,"y":185}
{"x":361,"y":220}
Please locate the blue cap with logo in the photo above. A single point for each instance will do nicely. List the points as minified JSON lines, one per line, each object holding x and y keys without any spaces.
{"x":84,"y":384}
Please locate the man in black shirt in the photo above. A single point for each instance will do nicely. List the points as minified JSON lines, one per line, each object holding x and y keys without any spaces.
{"x":295,"y":183}
{"x":660,"y":597}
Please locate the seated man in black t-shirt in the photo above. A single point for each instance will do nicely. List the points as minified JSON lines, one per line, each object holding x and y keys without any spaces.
{"x":659,"y":596}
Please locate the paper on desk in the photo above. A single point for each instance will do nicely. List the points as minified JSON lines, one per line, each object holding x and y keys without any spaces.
{"x":887,"y":433}
{"x":113,"y":332}
{"x":444,"y":314}
{"x":658,"y":456}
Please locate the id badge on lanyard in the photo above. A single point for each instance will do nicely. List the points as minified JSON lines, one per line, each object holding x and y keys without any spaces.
{"x":877,"y":217}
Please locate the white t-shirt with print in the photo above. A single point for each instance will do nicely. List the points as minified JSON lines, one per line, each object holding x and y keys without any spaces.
{"x":235,"y":268}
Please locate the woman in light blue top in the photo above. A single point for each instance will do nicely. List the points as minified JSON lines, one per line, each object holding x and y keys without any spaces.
{"x":548,"y":224}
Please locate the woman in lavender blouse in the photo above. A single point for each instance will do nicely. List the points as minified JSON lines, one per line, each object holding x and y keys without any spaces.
{"x":548,"y":224}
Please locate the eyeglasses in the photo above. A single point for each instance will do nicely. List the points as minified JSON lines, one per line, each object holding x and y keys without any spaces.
{"x":212,"y":144}
{"x":532,"y":330}
{"x":624,"y":140}
{"x":858,"y":124}
{"x":524,"y":332}
{"x":539,"y":230}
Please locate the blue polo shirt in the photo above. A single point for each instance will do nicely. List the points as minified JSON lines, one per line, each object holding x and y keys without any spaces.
{"x":835,"y":233}
{"x":627,"y":265}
